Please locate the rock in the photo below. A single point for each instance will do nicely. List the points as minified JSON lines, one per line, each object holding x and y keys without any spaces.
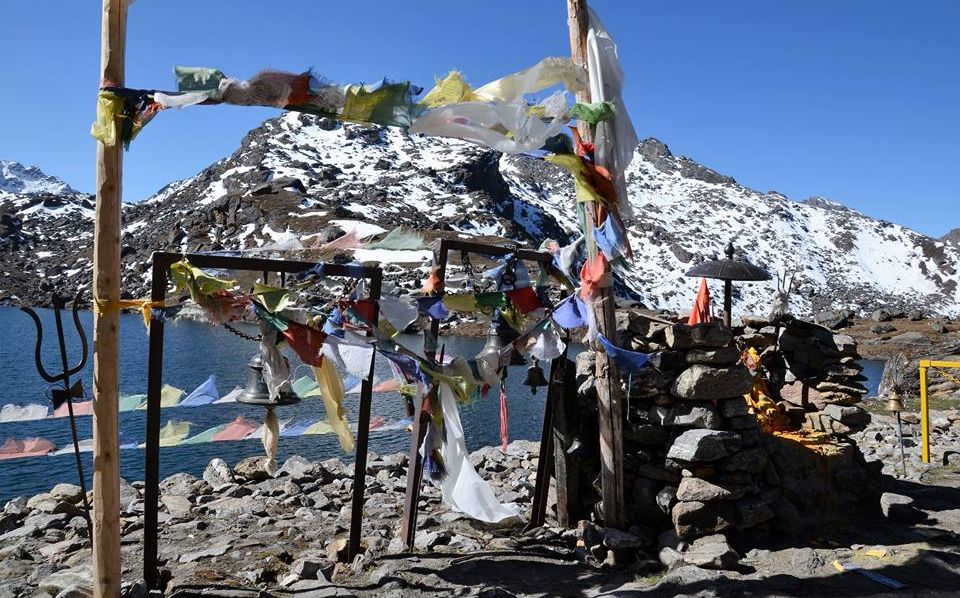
{"x":74,"y":577}
{"x":821,"y":422}
{"x":832,"y":319}
{"x":733,"y":407}
{"x":300,"y":469}
{"x":46,"y":521}
{"x":753,"y":511}
{"x":217,"y":473}
{"x":615,"y":539}
{"x":666,"y":498}
{"x":914,"y":315}
{"x":883,"y":328}
{"x":679,"y":581}
{"x":670,"y":557}
{"x":910,"y":338}
{"x":694,"y":518}
{"x":177,"y":506}
{"x":899,"y":508}
{"x":68,"y":492}
{"x":310,"y":568}
{"x":853,"y":417}
{"x":881,"y":315}
{"x":709,"y":383}
{"x":712,"y":335}
{"x":128,"y":495}
{"x":711,"y":552}
{"x":60,"y":549}
{"x":723,"y":356}
{"x":750,"y":460}
{"x":702,"y":490}
{"x":938,"y":327}
{"x":47,"y":503}
{"x":697,"y":415}
{"x":254,"y":469}
{"x":704,"y":445}
{"x":75,"y":591}
{"x":180,"y":484}
{"x":337,"y":549}
{"x":218,"y":549}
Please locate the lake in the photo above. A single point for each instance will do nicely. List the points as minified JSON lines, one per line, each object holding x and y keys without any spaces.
{"x":193,"y":351}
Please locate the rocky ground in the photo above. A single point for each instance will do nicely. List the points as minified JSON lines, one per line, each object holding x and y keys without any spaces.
{"x":238,"y":532}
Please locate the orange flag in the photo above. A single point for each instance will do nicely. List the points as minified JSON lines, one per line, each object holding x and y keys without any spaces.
{"x":701,"y":306}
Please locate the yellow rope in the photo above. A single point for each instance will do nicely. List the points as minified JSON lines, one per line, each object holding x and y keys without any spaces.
{"x":102,"y":306}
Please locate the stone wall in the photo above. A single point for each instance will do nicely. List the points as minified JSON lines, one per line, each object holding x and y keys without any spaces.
{"x":696,"y":461}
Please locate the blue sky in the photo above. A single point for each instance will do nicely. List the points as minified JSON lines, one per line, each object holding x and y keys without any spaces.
{"x":852,"y":100}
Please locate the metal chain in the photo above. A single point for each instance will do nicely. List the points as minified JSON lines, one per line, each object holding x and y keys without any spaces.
{"x":949,"y":377}
{"x":241,"y":334}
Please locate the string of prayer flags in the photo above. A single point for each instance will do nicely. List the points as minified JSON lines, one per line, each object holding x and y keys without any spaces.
{"x":16,"y":413}
{"x":592,"y":113}
{"x":571,"y":313}
{"x":332,"y":391}
{"x":188,"y":277}
{"x":628,"y":361}
{"x":492,"y":300}
{"x":204,"y":394}
{"x":464,"y":303}
{"x":272,"y":298}
{"x":611,"y":238}
{"x":593,"y":275}
{"x":546,"y":73}
{"x":351,"y":358}
{"x":400,"y":313}
{"x":306,"y":342}
{"x":238,"y":429}
{"x":452,"y":89}
{"x":174,"y":432}
{"x":433,"y":307}
{"x":526,"y":299}
{"x":28,"y":447}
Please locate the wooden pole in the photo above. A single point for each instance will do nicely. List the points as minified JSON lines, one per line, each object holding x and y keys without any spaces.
{"x":106,"y":289}
{"x":609,"y":395}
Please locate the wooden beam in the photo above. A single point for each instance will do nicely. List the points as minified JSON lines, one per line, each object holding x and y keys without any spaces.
{"x":609,"y":394}
{"x":106,"y":342}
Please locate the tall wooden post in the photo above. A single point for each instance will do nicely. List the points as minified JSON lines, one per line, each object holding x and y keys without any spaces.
{"x":609,"y":395}
{"x":106,"y":291}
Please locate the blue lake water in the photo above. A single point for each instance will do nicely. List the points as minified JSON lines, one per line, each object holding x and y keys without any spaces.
{"x":193,"y":351}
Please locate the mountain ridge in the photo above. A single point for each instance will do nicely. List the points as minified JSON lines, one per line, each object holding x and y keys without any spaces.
{"x":297,"y":175}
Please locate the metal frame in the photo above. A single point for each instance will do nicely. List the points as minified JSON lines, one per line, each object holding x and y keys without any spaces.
{"x":411,"y":499}
{"x":161,"y":268}
{"x":925,"y":364}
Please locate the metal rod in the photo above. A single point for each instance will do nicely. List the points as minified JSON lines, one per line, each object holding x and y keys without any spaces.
{"x":903,"y":454}
{"x":151,"y":493}
{"x":57,"y":306}
{"x":363,"y":437}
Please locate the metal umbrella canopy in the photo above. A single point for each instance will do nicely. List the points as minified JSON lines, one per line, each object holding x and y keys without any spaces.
{"x":727,"y":270}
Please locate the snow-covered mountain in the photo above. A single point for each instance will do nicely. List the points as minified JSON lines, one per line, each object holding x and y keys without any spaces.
{"x":17,"y":178}
{"x":297,"y":175}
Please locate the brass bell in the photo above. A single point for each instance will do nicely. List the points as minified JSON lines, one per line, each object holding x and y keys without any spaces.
{"x":256,"y":392}
{"x":895,"y":403}
{"x":535,"y":378}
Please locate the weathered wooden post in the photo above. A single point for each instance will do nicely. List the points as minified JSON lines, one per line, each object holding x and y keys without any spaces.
{"x":106,"y":294}
{"x":609,"y":395}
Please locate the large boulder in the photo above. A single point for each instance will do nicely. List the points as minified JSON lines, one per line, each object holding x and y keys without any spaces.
{"x":704,"y":445}
{"x":706,"y":383}
{"x":692,"y":519}
{"x":712,"y":335}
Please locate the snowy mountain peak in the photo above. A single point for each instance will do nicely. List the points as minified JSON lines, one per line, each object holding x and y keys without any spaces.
{"x":299,"y":176}
{"x":19,"y":178}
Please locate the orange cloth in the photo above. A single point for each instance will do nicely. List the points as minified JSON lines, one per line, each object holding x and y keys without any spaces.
{"x":592,"y":276}
{"x":701,"y":306}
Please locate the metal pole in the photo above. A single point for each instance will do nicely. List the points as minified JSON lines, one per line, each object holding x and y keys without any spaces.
{"x":106,"y":290}
{"x":924,"y":413}
{"x":727,"y":303}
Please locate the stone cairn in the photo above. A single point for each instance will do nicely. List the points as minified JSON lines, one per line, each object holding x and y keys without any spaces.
{"x":822,"y":379}
{"x":697,"y":465}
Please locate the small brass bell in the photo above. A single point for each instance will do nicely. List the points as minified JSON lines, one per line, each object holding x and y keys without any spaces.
{"x":535,"y":378}
{"x":895,"y":403}
{"x":257,"y":393}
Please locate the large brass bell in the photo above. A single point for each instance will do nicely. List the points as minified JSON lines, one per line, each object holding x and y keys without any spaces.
{"x":895,"y":403}
{"x":535,"y":378}
{"x":257,"y":393}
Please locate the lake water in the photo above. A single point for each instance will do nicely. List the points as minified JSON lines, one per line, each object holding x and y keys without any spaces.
{"x":192,"y":352}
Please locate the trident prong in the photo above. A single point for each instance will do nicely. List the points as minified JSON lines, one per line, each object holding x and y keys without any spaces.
{"x":57,"y":306}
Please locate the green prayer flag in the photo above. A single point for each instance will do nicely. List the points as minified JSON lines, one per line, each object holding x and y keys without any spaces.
{"x":592,"y":113}
{"x":496,"y":299}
